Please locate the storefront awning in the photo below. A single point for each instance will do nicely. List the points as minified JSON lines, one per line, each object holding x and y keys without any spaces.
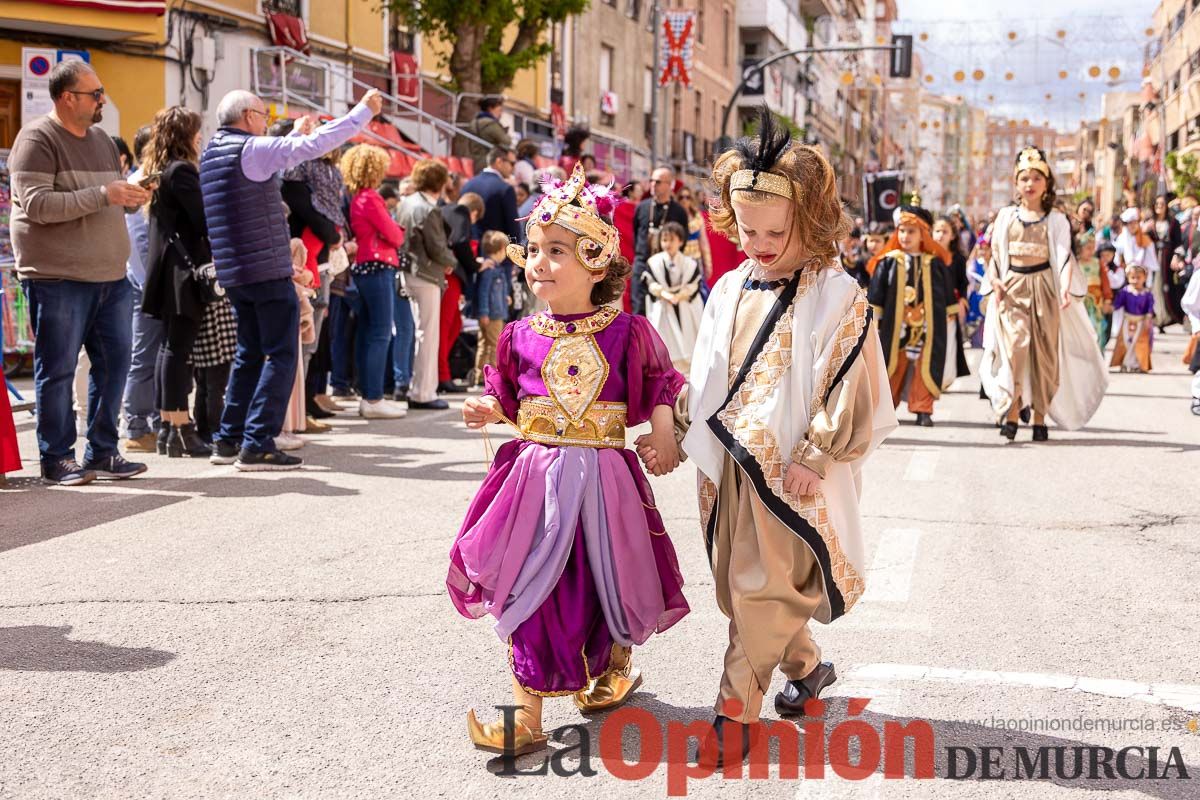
{"x":129,"y":6}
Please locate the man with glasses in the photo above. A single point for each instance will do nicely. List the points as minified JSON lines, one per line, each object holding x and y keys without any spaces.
{"x":71,"y":245}
{"x":494,"y":185}
{"x":248,"y":228}
{"x":651,"y":215}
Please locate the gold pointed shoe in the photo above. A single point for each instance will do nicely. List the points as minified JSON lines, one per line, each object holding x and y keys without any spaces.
{"x":611,"y":690}
{"x":490,"y":737}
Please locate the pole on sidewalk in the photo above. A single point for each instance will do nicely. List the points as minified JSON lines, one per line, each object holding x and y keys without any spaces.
{"x":654,"y":91}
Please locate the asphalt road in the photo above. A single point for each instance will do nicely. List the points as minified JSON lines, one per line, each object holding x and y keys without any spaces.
{"x":202,"y":633}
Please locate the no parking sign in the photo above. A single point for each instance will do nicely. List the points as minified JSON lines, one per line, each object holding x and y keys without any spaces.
{"x":35,"y":78}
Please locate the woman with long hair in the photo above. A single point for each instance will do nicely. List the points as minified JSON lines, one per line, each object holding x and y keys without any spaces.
{"x":696,"y":246}
{"x":364,"y":167}
{"x":178,"y":244}
{"x":1169,"y":289}
{"x":1036,"y":315}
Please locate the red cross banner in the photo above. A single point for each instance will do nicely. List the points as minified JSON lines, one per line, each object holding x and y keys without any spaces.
{"x":678,"y":37}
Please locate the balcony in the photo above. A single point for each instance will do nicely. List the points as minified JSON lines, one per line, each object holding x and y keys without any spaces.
{"x":778,"y":17}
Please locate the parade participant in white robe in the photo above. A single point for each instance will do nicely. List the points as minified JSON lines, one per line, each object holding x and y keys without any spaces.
{"x":788,"y":395}
{"x":1039,"y":347}
{"x":673,"y":303}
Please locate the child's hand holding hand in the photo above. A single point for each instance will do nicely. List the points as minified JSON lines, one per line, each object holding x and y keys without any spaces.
{"x":658,"y":451}
{"x":480,"y":411}
{"x":800,"y":481}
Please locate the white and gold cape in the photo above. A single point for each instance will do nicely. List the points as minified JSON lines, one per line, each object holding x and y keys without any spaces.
{"x":818,"y":340}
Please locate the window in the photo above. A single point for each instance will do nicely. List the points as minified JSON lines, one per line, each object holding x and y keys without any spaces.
{"x":648,"y":90}
{"x":1193,"y":129}
{"x":750,"y":49}
{"x":1194,"y":61}
{"x":633,"y":9}
{"x":700,"y":22}
{"x":699,"y":112}
{"x":606,"y":62}
{"x":729,"y":37}
{"x":293,"y":7}
{"x":612,"y":3}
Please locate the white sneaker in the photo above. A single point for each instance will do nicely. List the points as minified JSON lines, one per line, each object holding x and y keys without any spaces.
{"x":381,"y":409}
{"x":288,"y":441}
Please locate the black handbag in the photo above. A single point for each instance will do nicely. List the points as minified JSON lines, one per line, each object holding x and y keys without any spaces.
{"x":204,"y":276}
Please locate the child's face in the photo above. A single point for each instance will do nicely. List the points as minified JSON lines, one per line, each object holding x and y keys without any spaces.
{"x":1106,"y":257}
{"x":875,"y":244}
{"x":671,"y":243}
{"x":1137,"y":279}
{"x":1087,"y":251}
{"x":552,"y":269}
{"x":943,"y":233}
{"x":1031,"y":186}
{"x":764,"y":229}
{"x":910,"y":237}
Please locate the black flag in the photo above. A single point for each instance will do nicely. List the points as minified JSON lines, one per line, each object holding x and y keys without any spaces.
{"x":881,"y":195}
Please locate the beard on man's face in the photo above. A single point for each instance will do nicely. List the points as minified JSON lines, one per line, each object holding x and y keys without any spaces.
{"x":98,"y":114}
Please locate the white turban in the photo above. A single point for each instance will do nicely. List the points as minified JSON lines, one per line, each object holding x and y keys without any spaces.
{"x":1129,"y":215}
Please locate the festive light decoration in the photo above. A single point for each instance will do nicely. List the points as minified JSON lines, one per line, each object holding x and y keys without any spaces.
{"x":924,"y":37}
{"x":960,"y":76}
{"x":847,"y":78}
{"x":977,"y":74}
{"x":1008,"y":76}
{"x":1012,"y":36}
{"x":1093,"y":71}
{"x":1114,"y":72}
{"x":1062,"y":73}
{"x":929,"y":79}
{"x":1060,"y":33}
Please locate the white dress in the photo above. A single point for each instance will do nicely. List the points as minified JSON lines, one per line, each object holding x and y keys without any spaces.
{"x":676,"y":324}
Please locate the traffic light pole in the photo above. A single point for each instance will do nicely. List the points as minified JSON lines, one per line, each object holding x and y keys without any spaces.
{"x":761,"y":66}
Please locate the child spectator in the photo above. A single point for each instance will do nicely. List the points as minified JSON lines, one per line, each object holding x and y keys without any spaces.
{"x":493,"y":298}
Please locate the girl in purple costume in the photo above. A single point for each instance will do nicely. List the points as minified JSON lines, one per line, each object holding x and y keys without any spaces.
{"x":563,"y":544}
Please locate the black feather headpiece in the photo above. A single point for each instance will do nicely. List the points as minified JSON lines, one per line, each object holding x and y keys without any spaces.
{"x":759,"y":157}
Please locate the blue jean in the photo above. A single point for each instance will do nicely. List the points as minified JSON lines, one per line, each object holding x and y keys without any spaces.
{"x":66,"y":316}
{"x":341,"y":339}
{"x":141,"y":412}
{"x":404,"y":343}
{"x":264,"y":368}
{"x":375,"y":292}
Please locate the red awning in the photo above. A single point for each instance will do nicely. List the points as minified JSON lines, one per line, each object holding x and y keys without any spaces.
{"x":288,"y":31}
{"x":128,"y":6}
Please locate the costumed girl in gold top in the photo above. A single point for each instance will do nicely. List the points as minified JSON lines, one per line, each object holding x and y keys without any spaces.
{"x":788,"y":394}
{"x":1040,"y":349}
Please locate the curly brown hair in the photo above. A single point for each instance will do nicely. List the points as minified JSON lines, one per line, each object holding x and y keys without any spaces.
{"x":429,"y":175}
{"x":820,"y":220}
{"x":364,"y":166}
{"x":172,"y":138}
{"x":612,"y":286}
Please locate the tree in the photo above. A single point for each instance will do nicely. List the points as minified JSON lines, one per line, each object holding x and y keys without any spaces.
{"x":475,"y":31}
{"x":1185,"y":173}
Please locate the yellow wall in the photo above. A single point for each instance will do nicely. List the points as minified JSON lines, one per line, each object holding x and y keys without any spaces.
{"x":136,"y":85}
{"x":327,"y":19}
{"x":366,"y":27}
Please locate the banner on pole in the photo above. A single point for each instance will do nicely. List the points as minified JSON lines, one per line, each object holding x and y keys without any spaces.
{"x":881,"y":195}
{"x":678,"y":39}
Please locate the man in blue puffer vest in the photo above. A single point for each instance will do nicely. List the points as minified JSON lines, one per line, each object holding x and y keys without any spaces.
{"x":247,"y":225}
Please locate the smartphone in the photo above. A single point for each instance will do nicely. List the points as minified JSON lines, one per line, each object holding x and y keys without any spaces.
{"x":146,"y":181}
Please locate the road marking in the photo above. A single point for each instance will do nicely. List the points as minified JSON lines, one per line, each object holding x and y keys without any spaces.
{"x":921,"y":465}
{"x":889,"y":578}
{"x":1175,"y":695}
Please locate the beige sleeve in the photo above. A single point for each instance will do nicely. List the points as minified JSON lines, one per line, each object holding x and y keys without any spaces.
{"x":842,"y":430}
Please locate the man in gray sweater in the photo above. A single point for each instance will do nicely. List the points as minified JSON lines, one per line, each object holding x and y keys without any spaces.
{"x":71,"y":245}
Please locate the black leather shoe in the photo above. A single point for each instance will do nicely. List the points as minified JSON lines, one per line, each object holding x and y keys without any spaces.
{"x":164,"y":433}
{"x":1026,"y":414}
{"x":1009,"y":430}
{"x":925,"y":420}
{"x":431,"y":405}
{"x":401,"y":394}
{"x":450,"y":387}
{"x":316,"y":412}
{"x":712,"y":753}
{"x":184,"y":441}
{"x":1041,"y":433}
{"x":790,"y":702}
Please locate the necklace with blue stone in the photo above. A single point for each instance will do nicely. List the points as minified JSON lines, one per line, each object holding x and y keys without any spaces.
{"x":758,"y":284}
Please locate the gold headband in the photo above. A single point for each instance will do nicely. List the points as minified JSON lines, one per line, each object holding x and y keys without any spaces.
{"x":752,"y":180}
{"x":1030,"y":158}
{"x":598,"y":240}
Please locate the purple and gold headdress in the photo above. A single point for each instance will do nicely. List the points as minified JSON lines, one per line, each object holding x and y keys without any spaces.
{"x":582,"y":209}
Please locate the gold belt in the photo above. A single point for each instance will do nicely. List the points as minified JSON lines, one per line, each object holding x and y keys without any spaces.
{"x":603,"y":424}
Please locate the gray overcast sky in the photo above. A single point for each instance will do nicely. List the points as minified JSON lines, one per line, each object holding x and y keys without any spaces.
{"x":972,"y":36}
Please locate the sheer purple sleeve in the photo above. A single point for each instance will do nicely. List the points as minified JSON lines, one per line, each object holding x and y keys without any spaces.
{"x":650,"y":377}
{"x":500,"y":381}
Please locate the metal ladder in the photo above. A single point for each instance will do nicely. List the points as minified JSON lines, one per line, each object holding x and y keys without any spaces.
{"x":435,"y":135}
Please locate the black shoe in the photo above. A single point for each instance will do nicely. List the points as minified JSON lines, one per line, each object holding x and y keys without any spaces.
{"x":1009,"y":430}
{"x":1196,"y":407}
{"x":1041,"y":433}
{"x":790,"y":702}
{"x":266,"y":461}
{"x":224,"y":452}
{"x":450,"y":387}
{"x":1025,"y":414}
{"x":400,"y":395}
{"x":316,"y":412}
{"x":67,"y":473}
{"x":343,"y":394}
{"x":114,"y":468}
{"x":432,"y":405}
{"x":925,"y":420}
{"x":712,"y":749}
{"x":164,"y":433}
{"x":184,"y":441}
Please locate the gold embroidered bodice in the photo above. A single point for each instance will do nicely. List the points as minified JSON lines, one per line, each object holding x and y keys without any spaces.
{"x":1028,"y":245}
{"x":575,"y":371}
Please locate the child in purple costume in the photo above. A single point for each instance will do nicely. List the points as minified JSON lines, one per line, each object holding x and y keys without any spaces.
{"x":563,"y":544}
